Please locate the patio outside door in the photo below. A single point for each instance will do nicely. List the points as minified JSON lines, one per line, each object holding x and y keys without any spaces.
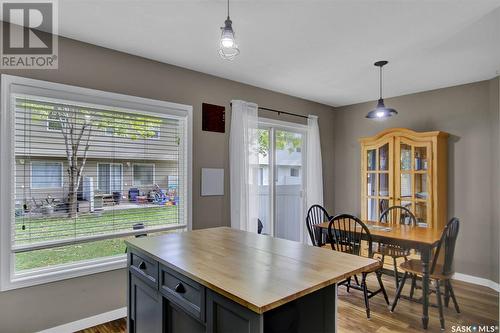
{"x":281,"y":175}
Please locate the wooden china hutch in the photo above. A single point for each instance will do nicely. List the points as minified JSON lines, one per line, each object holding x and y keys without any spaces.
{"x":406,"y":168}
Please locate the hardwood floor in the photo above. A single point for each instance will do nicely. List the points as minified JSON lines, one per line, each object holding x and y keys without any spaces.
{"x":117,"y":326}
{"x":479,"y":306}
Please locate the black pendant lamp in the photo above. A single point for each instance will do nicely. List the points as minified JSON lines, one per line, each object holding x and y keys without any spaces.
{"x":381,"y":111}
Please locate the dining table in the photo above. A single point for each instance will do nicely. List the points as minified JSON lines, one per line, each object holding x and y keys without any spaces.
{"x":422,"y":239}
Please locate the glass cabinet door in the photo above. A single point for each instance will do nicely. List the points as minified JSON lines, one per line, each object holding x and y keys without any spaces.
{"x":377,"y":185}
{"x":413,"y":187}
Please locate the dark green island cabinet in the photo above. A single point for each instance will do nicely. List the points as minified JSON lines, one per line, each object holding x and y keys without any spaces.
{"x":224,"y":280}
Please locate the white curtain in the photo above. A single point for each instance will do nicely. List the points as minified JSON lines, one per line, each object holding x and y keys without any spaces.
{"x":314,"y":170}
{"x":243,"y":164}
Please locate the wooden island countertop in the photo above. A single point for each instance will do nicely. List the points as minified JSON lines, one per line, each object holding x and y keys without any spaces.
{"x":257,"y":271}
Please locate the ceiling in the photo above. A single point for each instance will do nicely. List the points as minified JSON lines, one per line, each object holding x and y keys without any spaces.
{"x":318,"y":50}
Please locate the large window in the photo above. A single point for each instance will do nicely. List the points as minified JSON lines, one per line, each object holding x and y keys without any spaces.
{"x":46,"y":175}
{"x":78,"y":190}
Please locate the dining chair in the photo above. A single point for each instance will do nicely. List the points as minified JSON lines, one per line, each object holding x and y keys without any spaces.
{"x":316,"y":214}
{"x":346,"y":233}
{"x":402,"y":216}
{"x":441,"y":269}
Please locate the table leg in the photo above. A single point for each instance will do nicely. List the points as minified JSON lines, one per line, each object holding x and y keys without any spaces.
{"x":425,"y":256}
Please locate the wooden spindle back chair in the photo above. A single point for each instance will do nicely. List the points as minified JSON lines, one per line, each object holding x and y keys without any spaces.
{"x":441,"y":269}
{"x":348,"y":234}
{"x":316,"y":215}
{"x":399,"y":214}
{"x":395,"y":215}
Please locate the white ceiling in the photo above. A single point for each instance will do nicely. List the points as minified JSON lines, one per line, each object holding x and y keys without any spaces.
{"x":319,"y":50}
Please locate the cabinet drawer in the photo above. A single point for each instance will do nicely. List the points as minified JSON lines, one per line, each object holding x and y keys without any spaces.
{"x":186,"y":293}
{"x":144,"y":268}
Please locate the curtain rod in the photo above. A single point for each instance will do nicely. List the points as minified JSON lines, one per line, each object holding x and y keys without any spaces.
{"x":284,"y":112}
{"x":280,"y":112}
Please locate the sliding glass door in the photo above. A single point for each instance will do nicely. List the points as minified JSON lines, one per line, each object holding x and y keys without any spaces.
{"x":281,"y":179}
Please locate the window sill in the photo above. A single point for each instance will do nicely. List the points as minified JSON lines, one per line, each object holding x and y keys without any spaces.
{"x":63,"y":272}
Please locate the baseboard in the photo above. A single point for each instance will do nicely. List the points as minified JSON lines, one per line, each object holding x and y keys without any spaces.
{"x":88,"y":322}
{"x":477,"y":280}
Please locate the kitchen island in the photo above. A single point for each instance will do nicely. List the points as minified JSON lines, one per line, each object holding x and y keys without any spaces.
{"x":225,"y":280}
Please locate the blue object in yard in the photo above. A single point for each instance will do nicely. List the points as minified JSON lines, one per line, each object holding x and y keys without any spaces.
{"x":160,"y":198}
{"x":133,"y":193}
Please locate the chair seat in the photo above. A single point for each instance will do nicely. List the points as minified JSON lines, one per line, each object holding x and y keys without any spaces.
{"x":414,"y":266}
{"x":392,"y":251}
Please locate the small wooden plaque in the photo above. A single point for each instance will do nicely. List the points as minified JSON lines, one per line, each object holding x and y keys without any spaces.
{"x":213,"y":118}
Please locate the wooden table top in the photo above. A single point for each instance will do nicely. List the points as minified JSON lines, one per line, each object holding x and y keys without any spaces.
{"x":257,"y":271}
{"x":402,"y":233}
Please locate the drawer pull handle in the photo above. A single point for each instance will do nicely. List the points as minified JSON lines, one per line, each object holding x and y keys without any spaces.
{"x":142,"y":265}
{"x":179,"y":288}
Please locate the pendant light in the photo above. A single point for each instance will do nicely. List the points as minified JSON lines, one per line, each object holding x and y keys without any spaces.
{"x":228,"y":49}
{"x":381,"y":111}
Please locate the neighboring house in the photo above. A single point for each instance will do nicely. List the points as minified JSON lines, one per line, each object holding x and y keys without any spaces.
{"x":47,"y":175}
{"x":114,"y":163}
{"x":289,"y":168}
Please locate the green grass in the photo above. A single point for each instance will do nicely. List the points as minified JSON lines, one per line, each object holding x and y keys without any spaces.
{"x":53,"y":228}
{"x":69,"y":253}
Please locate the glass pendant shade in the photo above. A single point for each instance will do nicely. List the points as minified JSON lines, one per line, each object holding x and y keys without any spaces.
{"x":228,"y":48}
{"x":381,"y":111}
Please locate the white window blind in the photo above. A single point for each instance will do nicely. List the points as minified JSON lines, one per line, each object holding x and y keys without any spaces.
{"x":96,"y":173}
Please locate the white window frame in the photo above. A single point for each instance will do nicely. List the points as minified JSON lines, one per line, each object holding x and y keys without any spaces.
{"x":110,"y":164}
{"x":133,"y":174}
{"x":52,"y":120}
{"x":12,"y":86}
{"x":46,"y":161}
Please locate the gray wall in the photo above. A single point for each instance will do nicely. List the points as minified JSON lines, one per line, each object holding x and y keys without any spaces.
{"x":85,"y":65}
{"x":470,"y":114}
